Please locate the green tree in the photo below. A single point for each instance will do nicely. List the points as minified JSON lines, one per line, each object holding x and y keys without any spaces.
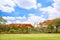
{"x":50,"y":29}
{"x":2,"y":24}
{"x":57,"y":24}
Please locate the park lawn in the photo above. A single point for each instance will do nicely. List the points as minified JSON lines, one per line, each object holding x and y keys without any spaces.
{"x":29,"y":36}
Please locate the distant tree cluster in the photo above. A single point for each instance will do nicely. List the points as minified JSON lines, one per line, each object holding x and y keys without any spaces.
{"x":49,"y":26}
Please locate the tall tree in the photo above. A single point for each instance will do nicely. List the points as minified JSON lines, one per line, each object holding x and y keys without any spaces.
{"x":2,"y":24}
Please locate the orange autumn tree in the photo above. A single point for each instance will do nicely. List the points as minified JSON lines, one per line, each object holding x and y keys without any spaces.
{"x":21,"y":28}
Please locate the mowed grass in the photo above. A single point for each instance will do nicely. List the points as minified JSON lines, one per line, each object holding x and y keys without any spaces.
{"x":29,"y":36}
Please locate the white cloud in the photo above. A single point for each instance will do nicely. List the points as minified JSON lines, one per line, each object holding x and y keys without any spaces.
{"x":13,"y":18}
{"x":17,"y":21}
{"x":7,"y":5}
{"x":56,"y":4}
{"x":39,"y":5}
{"x":9,"y":18}
{"x":53,"y":12}
{"x":26,"y":4}
{"x":23,"y":17}
{"x":8,"y":22}
{"x":6,"y":9}
{"x":34,"y":20}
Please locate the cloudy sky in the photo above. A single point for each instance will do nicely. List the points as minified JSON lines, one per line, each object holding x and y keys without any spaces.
{"x":29,"y":11}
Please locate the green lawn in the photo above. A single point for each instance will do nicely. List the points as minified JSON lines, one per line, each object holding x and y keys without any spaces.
{"x":29,"y":36}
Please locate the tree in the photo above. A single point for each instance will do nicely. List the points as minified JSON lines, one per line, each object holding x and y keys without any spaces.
{"x":2,"y":24}
{"x":50,"y":29}
{"x":56,"y":24}
{"x":2,"y":20}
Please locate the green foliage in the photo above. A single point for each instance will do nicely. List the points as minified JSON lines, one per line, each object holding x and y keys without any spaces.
{"x":2,"y":21}
{"x":56,"y":24}
{"x":2,"y":24}
{"x":12,"y":31}
{"x":51,"y":28}
{"x":2,"y":28}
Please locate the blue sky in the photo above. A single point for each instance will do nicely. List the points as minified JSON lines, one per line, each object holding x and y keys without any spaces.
{"x":29,"y":11}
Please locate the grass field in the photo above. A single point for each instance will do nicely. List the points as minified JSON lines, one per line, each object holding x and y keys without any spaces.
{"x":29,"y":36}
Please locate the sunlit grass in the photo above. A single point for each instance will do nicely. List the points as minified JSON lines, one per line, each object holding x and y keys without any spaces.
{"x":29,"y":36}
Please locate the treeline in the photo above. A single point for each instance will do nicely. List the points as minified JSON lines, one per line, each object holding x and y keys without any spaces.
{"x":49,"y":26}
